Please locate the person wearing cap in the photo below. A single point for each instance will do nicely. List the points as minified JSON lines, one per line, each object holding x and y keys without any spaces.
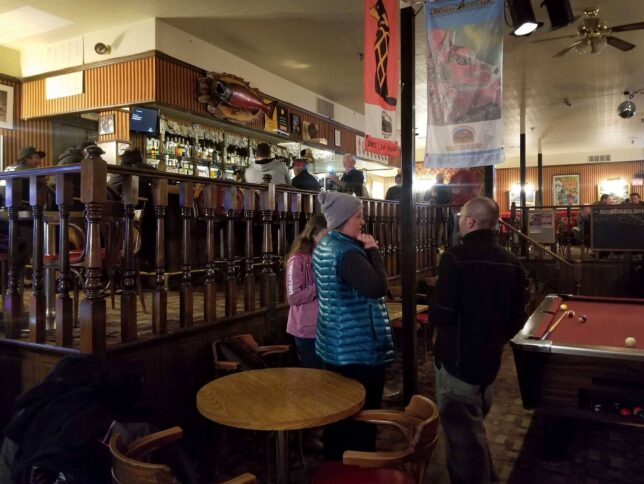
{"x":265,"y":164}
{"x":303,"y":179}
{"x":353,"y":332}
{"x":133,"y":158}
{"x":28,"y":158}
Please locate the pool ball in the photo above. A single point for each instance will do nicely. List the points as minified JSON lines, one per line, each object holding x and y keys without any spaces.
{"x":598,"y":407}
{"x":625,"y":412}
{"x":637,"y":410}
{"x":571,"y":314}
{"x":630,"y":341}
{"x":583,"y":318}
{"x":563,"y":307}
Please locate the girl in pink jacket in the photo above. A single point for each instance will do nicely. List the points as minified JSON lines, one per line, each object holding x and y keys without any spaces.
{"x":301,"y":291}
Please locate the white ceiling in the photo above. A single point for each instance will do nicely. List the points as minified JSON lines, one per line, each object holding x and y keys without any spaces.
{"x":316,"y":44}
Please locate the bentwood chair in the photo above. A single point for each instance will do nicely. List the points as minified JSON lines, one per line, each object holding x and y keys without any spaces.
{"x":127,"y":468}
{"x":419,"y":426}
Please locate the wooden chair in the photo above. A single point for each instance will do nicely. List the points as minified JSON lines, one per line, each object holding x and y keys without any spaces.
{"x":128,"y":469}
{"x":419,"y":426}
{"x":239,"y":352}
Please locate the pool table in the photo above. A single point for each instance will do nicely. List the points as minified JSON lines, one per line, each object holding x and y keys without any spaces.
{"x":584,"y":369}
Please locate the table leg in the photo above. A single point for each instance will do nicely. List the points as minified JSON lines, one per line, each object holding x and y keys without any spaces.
{"x":281,"y":454}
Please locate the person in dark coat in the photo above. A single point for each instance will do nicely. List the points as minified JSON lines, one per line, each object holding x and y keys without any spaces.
{"x":479,"y":304}
{"x":59,"y":424}
{"x":395,"y":193}
{"x":303,"y":179}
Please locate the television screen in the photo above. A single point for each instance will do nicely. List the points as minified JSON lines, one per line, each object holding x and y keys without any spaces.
{"x":144,"y":120}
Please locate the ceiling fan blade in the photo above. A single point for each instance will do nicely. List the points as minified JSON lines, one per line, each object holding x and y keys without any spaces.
{"x":568,"y":49}
{"x":619,"y":43}
{"x":627,"y":27}
{"x":555,"y":38}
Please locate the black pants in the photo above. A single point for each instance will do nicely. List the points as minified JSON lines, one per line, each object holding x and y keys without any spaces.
{"x":348,"y":434}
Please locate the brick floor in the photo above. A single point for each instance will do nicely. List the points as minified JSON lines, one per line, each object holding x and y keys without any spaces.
{"x":597,"y":453}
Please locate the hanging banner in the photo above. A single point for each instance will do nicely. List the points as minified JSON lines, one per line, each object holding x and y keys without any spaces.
{"x":464,"y":83}
{"x":381,"y":40}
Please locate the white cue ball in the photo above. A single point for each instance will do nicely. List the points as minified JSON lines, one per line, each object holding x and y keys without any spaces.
{"x":630,"y":341}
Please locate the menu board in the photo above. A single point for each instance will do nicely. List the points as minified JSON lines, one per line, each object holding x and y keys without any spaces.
{"x":541,"y":226}
{"x":617,"y":227}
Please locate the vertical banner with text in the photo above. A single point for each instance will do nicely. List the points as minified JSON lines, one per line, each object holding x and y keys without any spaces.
{"x":464,"y":83}
{"x":381,"y":40}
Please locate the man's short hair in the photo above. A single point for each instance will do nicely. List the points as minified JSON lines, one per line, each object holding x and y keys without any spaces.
{"x":484,"y":210}
{"x":263,"y":150}
{"x":634,"y":194}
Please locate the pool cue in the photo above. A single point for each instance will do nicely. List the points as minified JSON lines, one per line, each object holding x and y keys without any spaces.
{"x":550,"y":330}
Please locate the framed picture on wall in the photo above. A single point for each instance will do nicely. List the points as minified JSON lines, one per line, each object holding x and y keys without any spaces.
{"x":6,"y":107}
{"x":337,"y":137}
{"x":106,"y":124}
{"x":565,"y":190}
{"x":617,"y":189}
{"x":296,"y":126}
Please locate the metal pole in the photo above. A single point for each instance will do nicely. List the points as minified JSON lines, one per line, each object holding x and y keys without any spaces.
{"x":522,"y":176}
{"x":539,"y":179}
{"x":408,"y":212}
{"x":489,"y":181}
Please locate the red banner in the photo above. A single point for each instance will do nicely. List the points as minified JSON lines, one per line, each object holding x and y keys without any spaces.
{"x":381,"y":146}
{"x":381,"y":41}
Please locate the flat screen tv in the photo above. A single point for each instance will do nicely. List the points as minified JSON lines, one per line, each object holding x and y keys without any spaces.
{"x":144,"y":120}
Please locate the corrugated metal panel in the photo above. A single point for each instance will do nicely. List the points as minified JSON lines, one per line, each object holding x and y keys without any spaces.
{"x":590,"y":175}
{"x":35,"y":133}
{"x":121,"y":84}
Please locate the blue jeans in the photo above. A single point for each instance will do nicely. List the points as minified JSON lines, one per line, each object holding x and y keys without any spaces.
{"x":305,"y":348}
{"x":463,"y":407}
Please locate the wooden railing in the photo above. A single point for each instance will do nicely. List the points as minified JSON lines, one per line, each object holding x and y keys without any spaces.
{"x":228,"y":237}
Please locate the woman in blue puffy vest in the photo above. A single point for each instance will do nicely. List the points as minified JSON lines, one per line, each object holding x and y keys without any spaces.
{"x":353,"y":332}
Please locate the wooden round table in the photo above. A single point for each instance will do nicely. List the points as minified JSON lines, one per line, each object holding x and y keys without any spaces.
{"x":280,"y":399}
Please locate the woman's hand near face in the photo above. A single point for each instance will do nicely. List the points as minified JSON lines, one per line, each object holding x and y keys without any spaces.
{"x":368,"y":241}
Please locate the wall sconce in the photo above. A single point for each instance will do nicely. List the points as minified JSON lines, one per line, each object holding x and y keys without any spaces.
{"x":102,"y":49}
{"x":523,"y":18}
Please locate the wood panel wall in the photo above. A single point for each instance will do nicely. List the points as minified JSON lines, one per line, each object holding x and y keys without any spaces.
{"x":176,"y":85}
{"x":118,"y":84}
{"x":590,"y":175}
{"x":121,"y":126}
{"x":160,"y":79}
{"x":36,"y":133}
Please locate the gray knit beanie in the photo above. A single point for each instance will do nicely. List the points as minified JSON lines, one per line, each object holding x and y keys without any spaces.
{"x":338,"y":207}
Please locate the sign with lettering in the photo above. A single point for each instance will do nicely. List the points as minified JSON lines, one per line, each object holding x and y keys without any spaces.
{"x":617,"y":227}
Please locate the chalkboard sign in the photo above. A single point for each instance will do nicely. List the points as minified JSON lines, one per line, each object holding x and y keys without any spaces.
{"x":617,"y":227}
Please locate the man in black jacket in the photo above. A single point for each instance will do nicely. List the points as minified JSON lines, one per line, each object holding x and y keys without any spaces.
{"x":303,"y":179}
{"x":478,"y":306}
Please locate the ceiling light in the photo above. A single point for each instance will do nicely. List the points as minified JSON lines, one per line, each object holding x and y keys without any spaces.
{"x":523,"y":17}
{"x":597,"y":44}
{"x":559,"y":13}
{"x":584,"y":47}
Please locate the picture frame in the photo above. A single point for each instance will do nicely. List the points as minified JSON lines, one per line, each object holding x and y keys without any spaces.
{"x":618,"y":189}
{"x":6,"y":106}
{"x":337,"y":137}
{"x":296,"y":126}
{"x":106,"y":124}
{"x":566,"y":190}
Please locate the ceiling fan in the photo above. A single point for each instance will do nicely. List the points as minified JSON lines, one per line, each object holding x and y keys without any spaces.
{"x":593,"y":34}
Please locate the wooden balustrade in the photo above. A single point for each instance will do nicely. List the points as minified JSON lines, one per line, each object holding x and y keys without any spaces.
{"x":232,"y":218}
